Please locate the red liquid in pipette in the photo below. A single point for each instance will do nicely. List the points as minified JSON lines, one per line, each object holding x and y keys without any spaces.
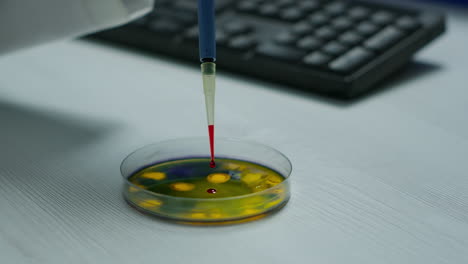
{"x":211,"y":134}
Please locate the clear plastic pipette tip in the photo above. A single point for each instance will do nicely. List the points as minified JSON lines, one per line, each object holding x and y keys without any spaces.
{"x":209,"y":87}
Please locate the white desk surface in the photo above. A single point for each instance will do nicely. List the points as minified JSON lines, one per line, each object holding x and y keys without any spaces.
{"x":382,"y":180}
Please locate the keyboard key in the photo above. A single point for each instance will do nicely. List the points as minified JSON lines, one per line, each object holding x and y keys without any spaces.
{"x":246,"y":6}
{"x":316,"y":59}
{"x":350,"y":38}
{"x":308,"y":5}
{"x":302,"y":28}
{"x":309,"y":43}
{"x":318,"y":19}
{"x":165,"y":26}
{"x":221,"y":37}
{"x":237,"y":27}
{"x":334,"y":48}
{"x":220,"y":4}
{"x":335,"y":8}
{"x":291,"y":54}
{"x":366,"y":28}
{"x":242,"y":42}
{"x":190,"y":6}
{"x":292,"y":14}
{"x":325,"y":32}
{"x":268,"y":10}
{"x":342,"y":23}
{"x":286,"y":38}
{"x":350,"y":60}
{"x":384,"y":38}
{"x":407,"y":23}
{"x":192,"y":33}
{"x":382,"y":17}
{"x":284,"y":3}
{"x":358,"y":12}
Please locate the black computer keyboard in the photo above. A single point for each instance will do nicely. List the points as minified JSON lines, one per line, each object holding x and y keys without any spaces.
{"x":341,"y":48}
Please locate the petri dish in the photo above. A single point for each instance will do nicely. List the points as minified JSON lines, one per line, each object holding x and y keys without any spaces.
{"x":173,"y":180}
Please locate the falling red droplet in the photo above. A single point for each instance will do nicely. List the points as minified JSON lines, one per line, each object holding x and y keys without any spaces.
{"x":211,"y":190}
{"x":212,"y":164}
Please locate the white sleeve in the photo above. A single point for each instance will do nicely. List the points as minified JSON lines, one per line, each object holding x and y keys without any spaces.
{"x":25,"y":23}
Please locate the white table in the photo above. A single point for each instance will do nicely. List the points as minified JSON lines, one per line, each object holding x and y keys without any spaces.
{"x":381,"y":180}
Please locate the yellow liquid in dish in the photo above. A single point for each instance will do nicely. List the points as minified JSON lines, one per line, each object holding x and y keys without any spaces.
{"x":189,"y":190}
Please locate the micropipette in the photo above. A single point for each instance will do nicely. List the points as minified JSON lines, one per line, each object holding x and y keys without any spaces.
{"x":207,"y":50}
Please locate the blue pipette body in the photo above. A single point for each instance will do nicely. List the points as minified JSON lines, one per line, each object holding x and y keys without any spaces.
{"x":207,"y":29}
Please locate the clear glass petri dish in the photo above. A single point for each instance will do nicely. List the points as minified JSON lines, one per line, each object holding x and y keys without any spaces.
{"x":172,"y":180}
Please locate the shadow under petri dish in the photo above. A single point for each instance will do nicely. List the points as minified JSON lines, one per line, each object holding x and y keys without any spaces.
{"x":186,"y":189}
